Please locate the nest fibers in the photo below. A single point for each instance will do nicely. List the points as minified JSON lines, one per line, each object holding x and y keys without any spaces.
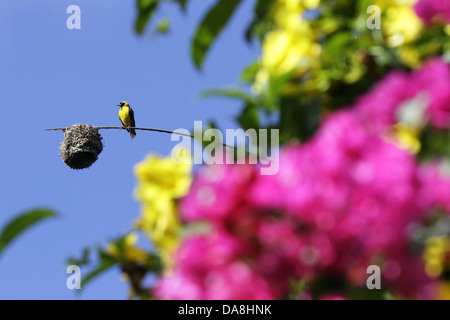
{"x":81,"y":146}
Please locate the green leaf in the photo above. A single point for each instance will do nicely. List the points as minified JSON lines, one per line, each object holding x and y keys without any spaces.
{"x":249,"y":73}
{"x":260,"y":24}
{"x":338,"y":44}
{"x":81,"y":261}
{"x":106,"y":262}
{"x":20,"y":224}
{"x":434,"y":144}
{"x":146,"y":9}
{"x":270,"y":97}
{"x":210,"y":27}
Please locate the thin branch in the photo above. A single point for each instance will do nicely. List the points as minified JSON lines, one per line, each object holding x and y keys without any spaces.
{"x":144,"y":129}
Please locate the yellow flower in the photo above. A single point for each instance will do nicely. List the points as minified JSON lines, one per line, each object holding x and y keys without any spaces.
{"x":156,"y":176}
{"x":443,"y":291}
{"x":160,"y":221}
{"x":409,"y":56}
{"x":310,"y":4}
{"x":411,"y":120}
{"x":287,"y":15}
{"x":261,"y":80}
{"x":400,"y":24}
{"x":129,"y":251}
{"x":298,"y":5}
{"x":284,"y":51}
{"x":161,"y":182}
{"x":290,"y":5}
{"x":447,"y":29}
{"x":291,"y":46}
{"x":407,"y":137}
{"x":434,"y":255}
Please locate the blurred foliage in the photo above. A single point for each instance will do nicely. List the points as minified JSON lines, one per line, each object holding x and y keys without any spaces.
{"x":146,"y":10}
{"x":163,"y":26}
{"x":260,"y":23}
{"x":20,"y":224}
{"x":210,"y":27}
{"x":352,"y":58}
{"x":135,"y":263}
{"x":316,"y":57}
{"x":435,"y":144}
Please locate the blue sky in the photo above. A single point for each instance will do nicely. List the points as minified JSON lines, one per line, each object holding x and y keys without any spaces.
{"x":51,"y":76}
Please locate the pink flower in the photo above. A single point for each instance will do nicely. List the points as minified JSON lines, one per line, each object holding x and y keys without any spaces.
{"x":436,"y":185}
{"x":406,"y":273}
{"x":340,"y":202}
{"x":304,"y":254}
{"x":378,"y":109}
{"x":379,"y":106}
{"x":230,"y":282}
{"x":434,"y":80}
{"x":217,"y":191}
{"x":179,"y":285}
{"x":211,"y":267}
{"x":354,"y":194}
{"x":337,"y":203}
{"x":429,"y":9}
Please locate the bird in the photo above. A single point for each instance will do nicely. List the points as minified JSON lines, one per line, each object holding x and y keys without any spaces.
{"x":126,"y":116}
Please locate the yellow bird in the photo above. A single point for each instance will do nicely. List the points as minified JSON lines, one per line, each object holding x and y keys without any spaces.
{"x":126,"y":116}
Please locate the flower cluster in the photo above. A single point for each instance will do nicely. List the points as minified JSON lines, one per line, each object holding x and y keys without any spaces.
{"x":437,"y":255}
{"x":292,"y":45}
{"x":346,"y":199}
{"x":435,"y":177}
{"x":302,"y":29}
{"x":161,"y":183}
{"x":361,"y":194}
{"x":401,"y":25}
{"x":326,"y":212}
{"x":414,"y":99}
{"x":428,"y":10}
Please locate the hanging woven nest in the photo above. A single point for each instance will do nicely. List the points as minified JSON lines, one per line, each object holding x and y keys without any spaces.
{"x":81,"y":146}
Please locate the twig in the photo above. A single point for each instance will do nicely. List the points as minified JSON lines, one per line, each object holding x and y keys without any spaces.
{"x":144,"y":129}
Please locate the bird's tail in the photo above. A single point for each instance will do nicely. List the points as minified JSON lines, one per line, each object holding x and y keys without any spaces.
{"x":132,"y":133}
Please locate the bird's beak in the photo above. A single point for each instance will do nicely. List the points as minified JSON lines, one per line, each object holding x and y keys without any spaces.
{"x":119,"y":105}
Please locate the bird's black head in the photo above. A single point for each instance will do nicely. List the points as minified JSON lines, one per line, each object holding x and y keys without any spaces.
{"x":123,"y":103}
